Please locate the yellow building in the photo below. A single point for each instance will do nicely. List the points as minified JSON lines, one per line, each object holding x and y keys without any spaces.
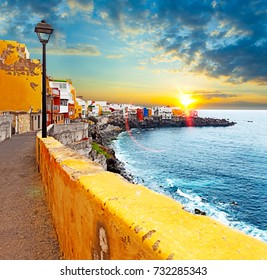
{"x":20,"y":79}
{"x":177,"y":112}
{"x":20,"y":86}
{"x":79,"y":108}
{"x":76,"y":105}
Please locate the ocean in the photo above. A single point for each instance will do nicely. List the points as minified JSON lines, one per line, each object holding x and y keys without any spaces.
{"x":219,"y":170}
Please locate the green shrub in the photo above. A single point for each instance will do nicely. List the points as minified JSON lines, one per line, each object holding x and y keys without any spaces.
{"x":100,"y":149}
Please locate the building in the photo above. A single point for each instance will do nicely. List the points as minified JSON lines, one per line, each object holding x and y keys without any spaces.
{"x":67,"y":97}
{"x":164,"y":112}
{"x":98,"y":108}
{"x":20,"y":86}
{"x":53,"y":107}
{"x":82,"y":110}
{"x":177,"y":112}
{"x":92,"y":108}
{"x":140,"y":114}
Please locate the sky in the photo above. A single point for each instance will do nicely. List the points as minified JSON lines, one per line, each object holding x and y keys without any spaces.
{"x":151,"y":52}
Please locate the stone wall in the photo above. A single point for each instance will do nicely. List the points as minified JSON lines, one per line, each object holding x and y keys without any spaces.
{"x":99,"y":215}
{"x":68,"y":134}
{"x":5,"y":127}
{"x":24,"y":123}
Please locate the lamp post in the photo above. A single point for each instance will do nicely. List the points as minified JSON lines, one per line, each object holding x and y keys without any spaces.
{"x":44,"y":32}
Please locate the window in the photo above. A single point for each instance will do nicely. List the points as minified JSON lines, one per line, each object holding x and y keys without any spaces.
{"x":64,"y":102}
{"x":62,"y":85}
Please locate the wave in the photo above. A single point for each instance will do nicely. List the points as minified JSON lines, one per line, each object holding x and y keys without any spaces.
{"x":191,"y":201}
{"x":192,"y":197}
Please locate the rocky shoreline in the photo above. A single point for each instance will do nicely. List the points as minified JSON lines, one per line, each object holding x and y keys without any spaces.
{"x":105,"y":129}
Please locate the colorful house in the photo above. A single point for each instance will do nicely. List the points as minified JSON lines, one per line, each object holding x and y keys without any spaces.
{"x":93,"y":109}
{"x":140,"y":114}
{"x":163,"y":111}
{"x":146,"y":112}
{"x":68,"y":106}
{"x":177,"y":112}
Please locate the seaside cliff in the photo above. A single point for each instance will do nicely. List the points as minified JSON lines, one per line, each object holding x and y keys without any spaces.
{"x":106,"y":128}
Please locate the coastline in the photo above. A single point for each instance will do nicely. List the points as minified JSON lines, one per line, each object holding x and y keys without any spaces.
{"x":106,"y":129}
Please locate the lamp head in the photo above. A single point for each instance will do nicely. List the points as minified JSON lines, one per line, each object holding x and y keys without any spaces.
{"x":44,"y":31}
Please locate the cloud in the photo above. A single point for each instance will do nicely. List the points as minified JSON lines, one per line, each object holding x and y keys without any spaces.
{"x":193,"y":14}
{"x":27,"y":8}
{"x":79,"y":49}
{"x":141,"y":67}
{"x":85,"y":5}
{"x":237,"y":105}
{"x":115,"y":56}
{"x":24,"y":15}
{"x":235,"y":52}
{"x":165,"y":57}
{"x":221,"y":39}
{"x":172,"y":71}
{"x":210,"y":94}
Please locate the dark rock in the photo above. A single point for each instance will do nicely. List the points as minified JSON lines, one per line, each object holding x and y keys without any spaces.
{"x":93,"y":119}
{"x":234,"y":203}
{"x":199,"y":212}
{"x":112,"y":166}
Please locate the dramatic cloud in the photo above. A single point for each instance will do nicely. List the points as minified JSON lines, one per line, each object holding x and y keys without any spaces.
{"x":23,"y":15}
{"x":218,"y":38}
{"x":226,"y":40}
{"x":221,"y":39}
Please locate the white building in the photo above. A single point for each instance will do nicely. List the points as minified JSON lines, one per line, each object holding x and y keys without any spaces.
{"x":93,"y":109}
{"x":164,"y":112}
{"x":83,"y":104}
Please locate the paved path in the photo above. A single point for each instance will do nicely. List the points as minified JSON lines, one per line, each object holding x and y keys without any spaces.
{"x":26,"y":231}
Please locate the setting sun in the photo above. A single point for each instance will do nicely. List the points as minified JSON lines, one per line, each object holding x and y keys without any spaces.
{"x":185,"y":99}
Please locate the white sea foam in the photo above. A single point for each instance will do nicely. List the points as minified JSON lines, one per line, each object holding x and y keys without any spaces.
{"x":192,"y":201}
{"x":170,"y":182}
{"x":192,"y":197}
{"x":250,"y":230}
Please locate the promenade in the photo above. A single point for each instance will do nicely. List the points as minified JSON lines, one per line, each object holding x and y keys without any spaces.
{"x":26,"y":230}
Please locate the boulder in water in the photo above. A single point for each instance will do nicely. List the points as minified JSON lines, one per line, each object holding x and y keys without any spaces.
{"x":199,"y":212}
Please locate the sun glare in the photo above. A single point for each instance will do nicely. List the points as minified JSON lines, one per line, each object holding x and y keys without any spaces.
{"x":185,"y":99}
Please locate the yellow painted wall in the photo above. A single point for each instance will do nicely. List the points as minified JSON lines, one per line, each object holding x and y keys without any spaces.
{"x":76,"y":105}
{"x":99,"y":215}
{"x":20,"y":79}
{"x":79,"y":110}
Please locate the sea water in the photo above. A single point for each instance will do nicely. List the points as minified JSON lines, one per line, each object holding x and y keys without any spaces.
{"x":219,"y":170}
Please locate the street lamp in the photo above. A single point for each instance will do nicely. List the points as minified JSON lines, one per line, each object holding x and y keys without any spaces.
{"x":44,"y":32}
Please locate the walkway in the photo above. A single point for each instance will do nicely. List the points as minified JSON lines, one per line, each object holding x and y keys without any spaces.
{"x":26,"y":231}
